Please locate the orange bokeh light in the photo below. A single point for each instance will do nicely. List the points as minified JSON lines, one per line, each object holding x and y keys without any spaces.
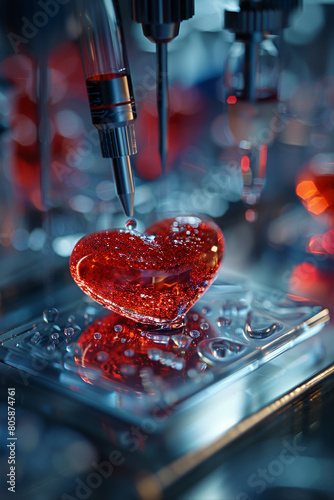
{"x":315,"y":244}
{"x":315,"y":187}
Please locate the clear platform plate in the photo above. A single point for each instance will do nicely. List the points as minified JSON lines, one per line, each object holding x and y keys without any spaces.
{"x":238,"y":327}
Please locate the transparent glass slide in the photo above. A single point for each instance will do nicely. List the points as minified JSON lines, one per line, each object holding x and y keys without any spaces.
{"x":122,"y":368}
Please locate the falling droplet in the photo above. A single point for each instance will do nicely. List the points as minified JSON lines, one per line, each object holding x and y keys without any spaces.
{"x":129,"y":353}
{"x":195,"y":333}
{"x":55,"y":336}
{"x":131,"y":224}
{"x":69,"y":331}
{"x":204,"y":326}
{"x":118,"y":328}
{"x":102,"y":357}
{"x":35,"y":338}
{"x":97,"y":336}
{"x":50,"y":315}
{"x":222,"y":321}
{"x":154,"y":354}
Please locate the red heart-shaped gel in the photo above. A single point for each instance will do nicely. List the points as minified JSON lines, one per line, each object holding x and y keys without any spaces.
{"x":154,"y":277}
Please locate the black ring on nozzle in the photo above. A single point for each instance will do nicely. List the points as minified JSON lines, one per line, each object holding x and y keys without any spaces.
{"x":260,"y":16}
{"x":161,"y":18}
{"x":162,"y":11}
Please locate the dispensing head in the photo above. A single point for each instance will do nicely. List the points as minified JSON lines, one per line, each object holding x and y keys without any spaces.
{"x":109,"y":89}
{"x":161,"y":20}
{"x":252,"y":72}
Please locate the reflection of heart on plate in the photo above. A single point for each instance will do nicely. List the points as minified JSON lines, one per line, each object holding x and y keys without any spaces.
{"x":138,"y":359}
{"x":152,"y":277}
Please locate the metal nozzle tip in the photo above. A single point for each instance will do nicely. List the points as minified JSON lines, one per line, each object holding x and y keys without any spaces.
{"x":163,"y":159}
{"x":127,"y":203}
{"x":162,"y":102}
{"x":124,"y":183}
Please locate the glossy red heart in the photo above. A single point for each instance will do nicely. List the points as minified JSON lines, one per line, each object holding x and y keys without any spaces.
{"x":152,"y":277}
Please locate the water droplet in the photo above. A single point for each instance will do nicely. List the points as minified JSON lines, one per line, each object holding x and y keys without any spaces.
{"x":129,"y":353}
{"x":102,"y":357}
{"x":74,"y":349}
{"x":71,"y":318}
{"x":192,"y":373}
{"x":204,"y":326}
{"x":90,"y":313}
{"x":181,"y":340}
{"x":97,"y":336}
{"x":70,"y":349}
{"x":50,"y":348}
{"x":35,"y":338}
{"x":69,"y":331}
{"x":260,"y":333}
{"x":146,"y":372}
{"x":201,"y":366}
{"x":242,"y":306}
{"x":206,"y":311}
{"x":123,"y":341}
{"x":131,"y":224}
{"x":158,"y":339}
{"x":143,"y":334}
{"x":118,"y":328}
{"x":154,"y":354}
{"x":195,"y":317}
{"x":167,"y":358}
{"x":128,"y":370}
{"x":50,"y":315}
{"x":178,"y":363}
{"x":195,"y":333}
{"x":56,"y":328}
{"x":222,"y":321}
{"x":218,"y":349}
{"x":55,"y":336}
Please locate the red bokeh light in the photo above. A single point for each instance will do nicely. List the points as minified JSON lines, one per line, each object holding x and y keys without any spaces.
{"x":231,"y":99}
